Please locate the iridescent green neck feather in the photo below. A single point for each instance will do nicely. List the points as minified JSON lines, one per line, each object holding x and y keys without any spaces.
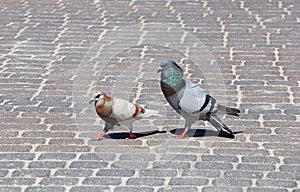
{"x":174,"y":77}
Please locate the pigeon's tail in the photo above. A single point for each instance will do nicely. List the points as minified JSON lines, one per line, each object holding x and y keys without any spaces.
{"x":229,"y":110}
{"x":150,"y":113}
{"x":217,"y":123}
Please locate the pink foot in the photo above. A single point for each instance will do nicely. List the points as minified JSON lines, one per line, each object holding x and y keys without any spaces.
{"x":99,"y":136}
{"x":131,"y":136}
{"x":182,"y":135}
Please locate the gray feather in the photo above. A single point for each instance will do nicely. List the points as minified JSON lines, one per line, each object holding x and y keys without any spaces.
{"x":217,"y":123}
{"x":193,"y":98}
{"x":189,"y":99}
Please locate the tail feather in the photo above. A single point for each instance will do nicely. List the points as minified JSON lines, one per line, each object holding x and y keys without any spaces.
{"x":217,"y":123}
{"x":150,"y":113}
{"x":229,"y":110}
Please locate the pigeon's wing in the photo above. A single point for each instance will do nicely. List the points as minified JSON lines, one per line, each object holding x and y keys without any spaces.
{"x":123,"y":110}
{"x":194,"y":98}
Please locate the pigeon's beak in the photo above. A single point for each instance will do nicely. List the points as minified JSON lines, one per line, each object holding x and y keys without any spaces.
{"x":91,"y":101}
{"x":159,"y":70}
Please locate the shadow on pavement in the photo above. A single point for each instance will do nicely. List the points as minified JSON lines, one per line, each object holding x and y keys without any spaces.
{"x":124,"y":135}
{"x":205,"y":133}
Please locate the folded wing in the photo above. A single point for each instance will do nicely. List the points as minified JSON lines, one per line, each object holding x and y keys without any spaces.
{"x":194,"y":98}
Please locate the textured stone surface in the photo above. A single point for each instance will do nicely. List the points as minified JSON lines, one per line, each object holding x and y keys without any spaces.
{"x":54,"y":54}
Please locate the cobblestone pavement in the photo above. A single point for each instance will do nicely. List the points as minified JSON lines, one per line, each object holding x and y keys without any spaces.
{"x":54,"y":54}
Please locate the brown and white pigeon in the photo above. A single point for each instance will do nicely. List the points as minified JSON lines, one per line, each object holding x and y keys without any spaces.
{"x":189,"y":99}
{"x":115,"y":111}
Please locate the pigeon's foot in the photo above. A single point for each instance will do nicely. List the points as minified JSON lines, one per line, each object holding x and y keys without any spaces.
{"x":182,"y":135}
{"x":99,"y":136}
{"x":131,"y":136}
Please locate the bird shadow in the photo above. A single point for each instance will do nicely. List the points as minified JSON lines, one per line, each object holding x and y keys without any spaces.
{"x":205,"y":133}
{"x":124,"y":135}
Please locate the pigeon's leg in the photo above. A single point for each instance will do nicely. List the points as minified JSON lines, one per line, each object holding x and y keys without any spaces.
{"x":106,"y":127}
{"x":131,"y":135}
{"x":184,"y":133}
{"x":99,"y":136}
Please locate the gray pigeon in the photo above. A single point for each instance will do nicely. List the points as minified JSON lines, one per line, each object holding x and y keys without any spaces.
{"x":189,"y":99}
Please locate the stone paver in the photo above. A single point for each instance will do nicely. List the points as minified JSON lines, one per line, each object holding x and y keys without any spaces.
{"x":54,"y":54}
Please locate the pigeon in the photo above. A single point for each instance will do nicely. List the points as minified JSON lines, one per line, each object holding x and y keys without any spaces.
{"x":189,"y":99}
{"x":115,"y":111}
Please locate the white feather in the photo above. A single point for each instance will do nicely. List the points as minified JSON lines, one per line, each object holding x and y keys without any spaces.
{"x":150,"y":113}
{"x":122,"y":109}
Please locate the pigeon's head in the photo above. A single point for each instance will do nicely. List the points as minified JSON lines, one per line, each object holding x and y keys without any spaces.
{"x":99,"y":97}
{"x":168,"y":64}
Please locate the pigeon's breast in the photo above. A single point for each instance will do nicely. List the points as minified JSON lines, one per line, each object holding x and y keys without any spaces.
{"x":103,"y":110}
{"x":169,"y":91}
